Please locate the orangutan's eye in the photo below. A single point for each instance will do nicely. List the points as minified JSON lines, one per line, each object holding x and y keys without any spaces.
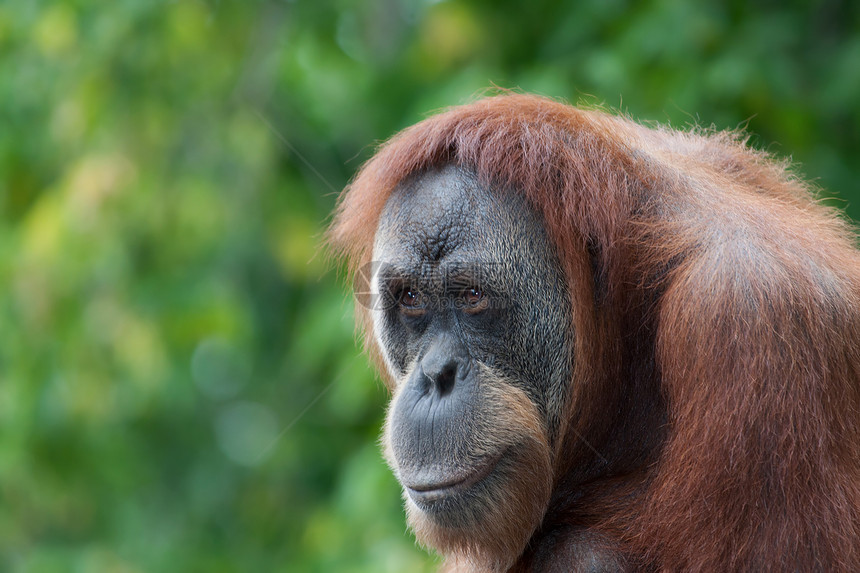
{"x":412,"y":302}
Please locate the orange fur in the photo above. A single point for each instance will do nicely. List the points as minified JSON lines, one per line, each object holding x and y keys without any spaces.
{"x":705,"y":280}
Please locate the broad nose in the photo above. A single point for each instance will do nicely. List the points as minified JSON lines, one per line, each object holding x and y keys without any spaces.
{"x":444,"y":364}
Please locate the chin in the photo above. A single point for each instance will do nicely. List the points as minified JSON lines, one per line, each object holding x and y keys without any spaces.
{"x":492,"y":502}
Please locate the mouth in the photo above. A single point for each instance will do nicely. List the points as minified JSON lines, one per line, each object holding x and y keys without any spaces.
{"x":427,"y":492}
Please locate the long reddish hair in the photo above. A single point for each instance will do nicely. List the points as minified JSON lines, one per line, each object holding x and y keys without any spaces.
{"x":704,"y":279}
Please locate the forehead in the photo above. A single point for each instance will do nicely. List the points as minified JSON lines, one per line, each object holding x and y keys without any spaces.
{"x":446,"y":214}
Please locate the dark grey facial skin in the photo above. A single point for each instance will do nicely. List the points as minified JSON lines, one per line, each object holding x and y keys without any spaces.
{"x":476,"y":299}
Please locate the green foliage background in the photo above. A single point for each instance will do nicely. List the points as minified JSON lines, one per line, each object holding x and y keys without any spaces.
{"x":179,"y":385}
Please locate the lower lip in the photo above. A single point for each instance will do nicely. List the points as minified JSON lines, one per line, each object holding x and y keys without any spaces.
{"x":437,"y":492}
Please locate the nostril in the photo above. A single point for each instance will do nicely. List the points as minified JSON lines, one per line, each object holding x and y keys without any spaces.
{"x":440,"y":379}
{"x":446,"y":378}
